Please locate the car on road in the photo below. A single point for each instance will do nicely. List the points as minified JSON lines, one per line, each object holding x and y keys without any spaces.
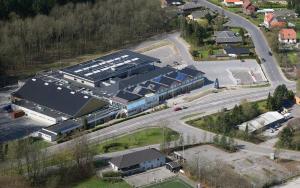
{"x":270,"y":53}
{"x":184,"y":107}
{"x":263,"y":59}
{"x":177,"y":109}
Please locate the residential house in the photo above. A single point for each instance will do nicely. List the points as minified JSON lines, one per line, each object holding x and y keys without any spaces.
{"x":200,"y":14}
{"x":285,"y":14}
{"x":138,"y":161}
{"x":236,"y":52}
{"x":233,"y":3}
{"x":227,"y":37}
{"x":271,"y":21}
{"x":287,"y":36}
{"x":248,"y":7}
{"x":165,"y":3}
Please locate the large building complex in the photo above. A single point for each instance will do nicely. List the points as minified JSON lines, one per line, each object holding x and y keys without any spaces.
{"x":98,"y":90}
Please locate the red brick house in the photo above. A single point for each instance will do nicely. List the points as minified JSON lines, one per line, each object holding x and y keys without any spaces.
{"x":248,"y":7}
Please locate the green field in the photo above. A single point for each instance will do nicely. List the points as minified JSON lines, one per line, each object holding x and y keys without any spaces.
{"x":138,"y":139}
{"x":293,"y":58}
{"x":175,"y":183}
{"x":98,"y":183}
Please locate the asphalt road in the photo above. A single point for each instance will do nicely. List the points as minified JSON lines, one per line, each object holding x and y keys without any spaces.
{"x":262,"y":48}
{"x":206,"y":105}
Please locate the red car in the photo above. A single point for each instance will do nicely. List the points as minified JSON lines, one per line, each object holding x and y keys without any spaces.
{"x":177,"y":109}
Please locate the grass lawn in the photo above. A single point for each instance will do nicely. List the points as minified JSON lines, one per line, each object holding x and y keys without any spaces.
{"x":98,"y":183}
{"x":138,"y":139}
{"x":201,"y":123}
{"x":175,"y":183}
{"x":293,"y":58}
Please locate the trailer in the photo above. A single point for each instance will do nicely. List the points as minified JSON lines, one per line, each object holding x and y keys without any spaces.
{"x":17,"y":114}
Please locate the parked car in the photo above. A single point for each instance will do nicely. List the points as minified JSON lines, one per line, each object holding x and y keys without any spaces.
{"x":177,"y":109}
{"x":184,"y":107}
{"x":270,"y":53}
{"x":263,"y":59}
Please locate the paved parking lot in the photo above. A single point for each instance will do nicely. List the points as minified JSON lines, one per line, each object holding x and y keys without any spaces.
{"x":148,"y":177}
{"x":11,"y":129}
{"x":167,"y":55}
{"x":229,"y":72}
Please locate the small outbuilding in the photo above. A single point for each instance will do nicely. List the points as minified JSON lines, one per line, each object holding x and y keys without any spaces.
{"x":173,"y":166}
{"x":236,"y":52}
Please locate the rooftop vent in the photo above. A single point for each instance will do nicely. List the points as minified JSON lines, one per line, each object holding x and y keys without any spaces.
{"x":72,"y":92}
{"x":33,"y":79}
{"x":86,"y":97}
{"x":46,"y":83}
{"x":59,"y":88}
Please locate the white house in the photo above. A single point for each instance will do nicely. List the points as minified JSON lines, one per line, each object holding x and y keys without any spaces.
{"x":232,"y":3}
{"x":138,"y":161}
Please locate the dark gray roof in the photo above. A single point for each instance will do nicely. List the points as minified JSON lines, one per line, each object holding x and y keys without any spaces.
{"x":201,"y":13}
{"x":165,"y":81}
{"x":127,"y":96}
{"x":153,"y":85}
{"x":144,"y":77}
{"x":64,"y":126}
{"x":109,"y":66}
{"x":227,"y":37}
{"x":191,"y":6}
{"x":191,"y":71}
{"x":54,"y":96}
{"x":135,"y":158}
{"x":237,"y":51}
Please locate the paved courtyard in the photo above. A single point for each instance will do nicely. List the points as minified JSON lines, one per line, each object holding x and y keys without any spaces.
{"x":11,"y":129}
{"x":151,"y":176}
{"x":258,"y":169}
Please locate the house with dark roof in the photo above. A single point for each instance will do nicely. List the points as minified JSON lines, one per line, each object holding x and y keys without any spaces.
{"x":138,"y":161}
{"x":236,"y":51}
{"x":200,"y":14}
{"x":52,"y":103}
{"x":227,"y":37}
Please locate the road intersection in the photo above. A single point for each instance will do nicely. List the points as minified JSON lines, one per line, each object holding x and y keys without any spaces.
{"x":206,"y":105}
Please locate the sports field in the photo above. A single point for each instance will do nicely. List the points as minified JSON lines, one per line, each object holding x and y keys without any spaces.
{"x":175,"y":183}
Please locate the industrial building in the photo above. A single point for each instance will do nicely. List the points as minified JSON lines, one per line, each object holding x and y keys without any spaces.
{"x":123,"y":82}
{"x":98,"y":72}
{"x":263,"y":122}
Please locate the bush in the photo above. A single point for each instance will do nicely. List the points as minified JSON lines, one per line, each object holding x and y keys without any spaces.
{"x":111,"y":174}
{"x":111,"y":145}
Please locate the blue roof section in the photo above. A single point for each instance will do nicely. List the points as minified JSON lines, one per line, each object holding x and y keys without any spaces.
{"x":177,"y":76}
{"x":157,"y":79}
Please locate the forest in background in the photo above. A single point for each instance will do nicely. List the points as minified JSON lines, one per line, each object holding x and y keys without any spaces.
{"x":75,"y":29}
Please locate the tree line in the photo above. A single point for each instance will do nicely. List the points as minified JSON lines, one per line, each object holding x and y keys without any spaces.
{"x":75,"y":29}
{"x":27,"y":8}
{"x":294,"y":4}
{"x":280,"y":95}
{"x":24,"y":161}
{"x":225,"y":122}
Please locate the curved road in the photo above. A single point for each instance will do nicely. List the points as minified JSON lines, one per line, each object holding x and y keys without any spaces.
{"x":206,"y":105}
{"x":262,"y":48}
